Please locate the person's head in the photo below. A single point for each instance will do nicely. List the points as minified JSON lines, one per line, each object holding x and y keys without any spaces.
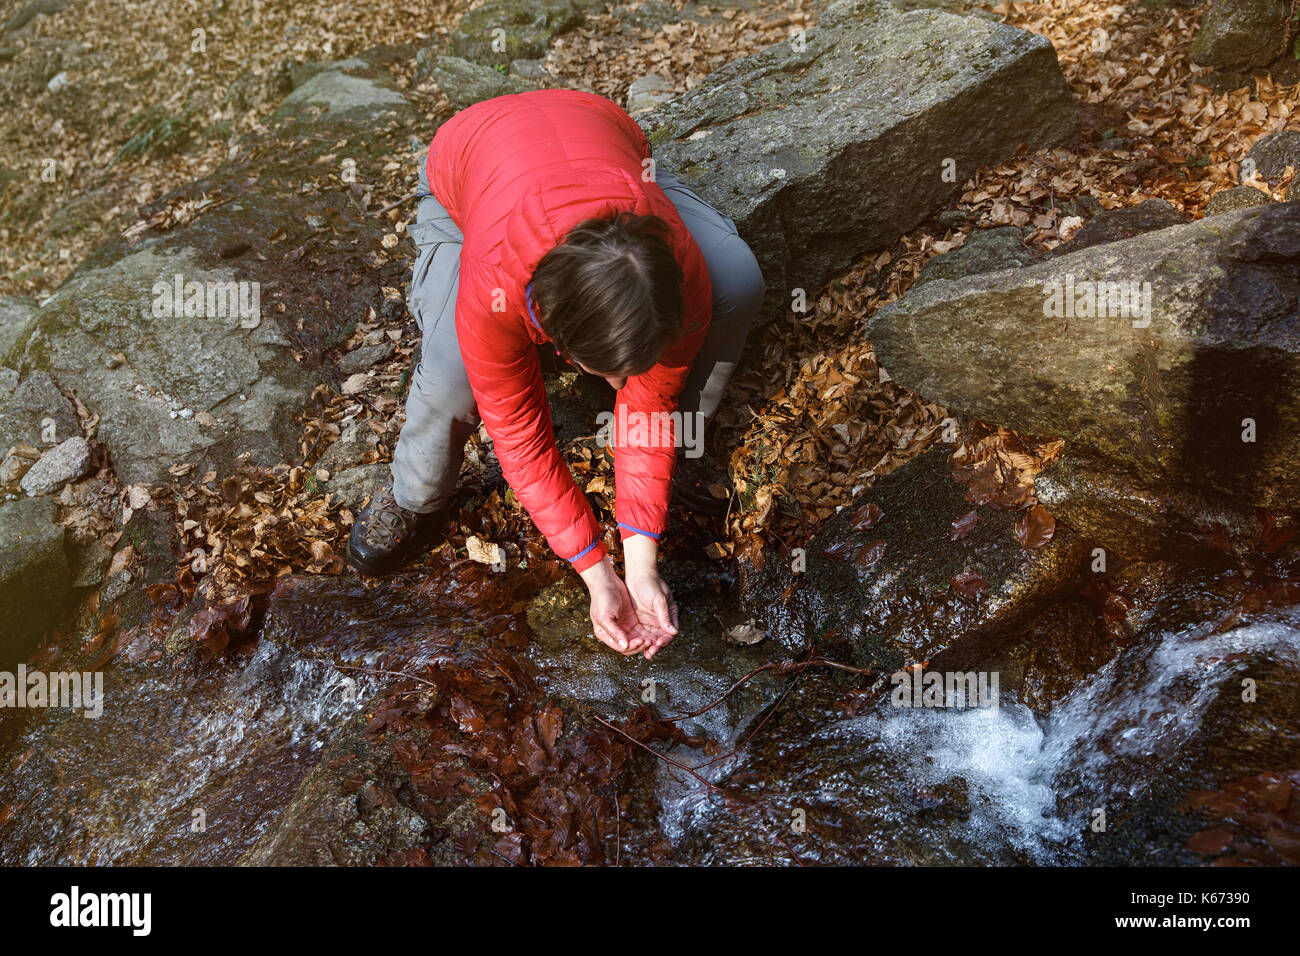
{"x":610,"y":295}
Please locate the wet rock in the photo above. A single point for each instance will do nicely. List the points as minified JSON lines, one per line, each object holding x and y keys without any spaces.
{"x":529,"y":25}
{"x":822,"y":153}
{"x":118,"y":789}
{"x":365,"y":358}
{"x":344,"y":813}
{"x":34,"y":576}
{"x":1238,"y":197}
{"x":1237,"y":34}
{"x":465,"y":83}
{"x":1206,"y":707}
{"x":1167,"y":411}
{"x":65,"y":462}
{"x":985,"y":250}
{"x":903,"y":607}
{"x":1067,"y":642}
{"x":1274,"y":153}
{"x":695,"y":669}
{"x":1135,"y":521}
{"x":647,"y":93}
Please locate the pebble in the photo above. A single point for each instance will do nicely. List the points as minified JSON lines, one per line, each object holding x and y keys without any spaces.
{"x":65,"y":462}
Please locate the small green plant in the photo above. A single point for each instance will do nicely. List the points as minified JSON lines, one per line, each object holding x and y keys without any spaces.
{"x":155,"y":135}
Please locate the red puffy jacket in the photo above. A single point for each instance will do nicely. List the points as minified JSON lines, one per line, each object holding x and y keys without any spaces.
{"x":516,"y":173}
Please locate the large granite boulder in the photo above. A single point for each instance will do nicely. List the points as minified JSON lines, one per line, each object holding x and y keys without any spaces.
{"x":1239,"y":34}
{"x":465,"y":83}
{"x":195,"y":342}
{"x":820,"y":151}
{"x":499,"y":31}
{"x":16,"y":313}
{"x":1174,"y":418}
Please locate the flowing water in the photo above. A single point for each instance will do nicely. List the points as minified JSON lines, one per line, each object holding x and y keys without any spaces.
{"x":189,"y":767}
{"x":984,"y":785}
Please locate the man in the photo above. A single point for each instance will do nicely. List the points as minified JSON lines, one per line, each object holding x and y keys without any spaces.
{"x":547,"y":224}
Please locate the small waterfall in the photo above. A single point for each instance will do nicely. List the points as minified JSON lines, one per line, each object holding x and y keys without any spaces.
{"x":1022,"y":786}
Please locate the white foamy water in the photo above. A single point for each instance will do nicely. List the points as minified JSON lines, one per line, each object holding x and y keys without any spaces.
{"x":1029,"y":784}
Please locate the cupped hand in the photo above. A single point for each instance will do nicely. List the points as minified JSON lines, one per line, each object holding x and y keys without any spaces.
{"x":614,"y":615}
{"x":656,"y":611}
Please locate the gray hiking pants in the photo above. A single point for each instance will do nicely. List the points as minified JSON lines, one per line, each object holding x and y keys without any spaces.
{"x":441,"y":413}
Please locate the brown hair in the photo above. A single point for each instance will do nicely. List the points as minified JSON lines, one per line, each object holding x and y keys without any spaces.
{"x":610,"y":294}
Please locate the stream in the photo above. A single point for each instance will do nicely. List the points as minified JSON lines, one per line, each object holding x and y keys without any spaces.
{"x":196,"y":764}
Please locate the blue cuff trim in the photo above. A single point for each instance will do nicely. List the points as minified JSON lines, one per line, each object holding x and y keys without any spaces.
{"x":648,"y":534}
{"x":584,"y":551}
{"x":528,"y":298}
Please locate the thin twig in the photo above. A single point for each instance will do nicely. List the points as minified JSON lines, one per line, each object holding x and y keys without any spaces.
{"x":708,"y":783}
{"x":380,"y":670}
{"x":391,"y":205}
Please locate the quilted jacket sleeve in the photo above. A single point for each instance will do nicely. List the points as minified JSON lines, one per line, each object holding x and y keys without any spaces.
{"x":505,"y":375}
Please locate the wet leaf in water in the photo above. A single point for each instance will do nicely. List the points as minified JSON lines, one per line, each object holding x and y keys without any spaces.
{"x":215,"y":624}
{"x":964,"y":525}
{"x":1035,"y":527}
{"x":1273,"y":537}
{"x":1216,"y":537}
{"x":1210,"y":842}
{"x":868,"y":555}
{"x":969,"y":584}
{"x":866,"y":517}
{"x":745,"y":634}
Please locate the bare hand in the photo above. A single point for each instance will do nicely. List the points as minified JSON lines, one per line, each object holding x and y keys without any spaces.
{"x":613,"y":613}
{"x":655,"y":608}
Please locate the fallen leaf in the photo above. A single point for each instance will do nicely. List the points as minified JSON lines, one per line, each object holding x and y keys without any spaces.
{"x":1035,"y":527}
{"x":964,"y":525}
{"x":969,"y":584}
{"x":745,"y":634}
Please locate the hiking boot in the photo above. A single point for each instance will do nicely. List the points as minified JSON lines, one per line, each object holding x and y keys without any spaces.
{"x":694,"y":481}
{"x":386,"y":536}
